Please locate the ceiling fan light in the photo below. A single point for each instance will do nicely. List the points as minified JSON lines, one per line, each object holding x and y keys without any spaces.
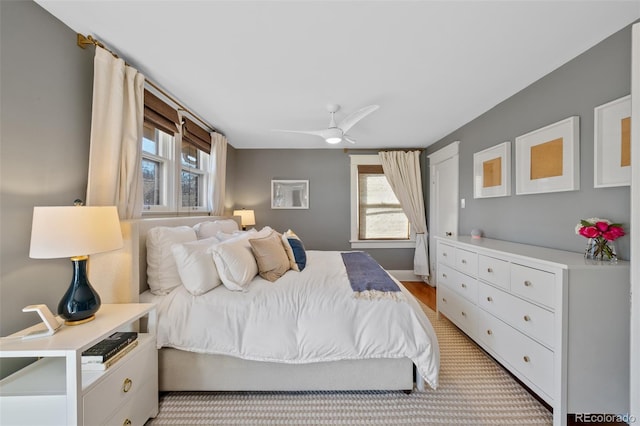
{"x":333,"y":140}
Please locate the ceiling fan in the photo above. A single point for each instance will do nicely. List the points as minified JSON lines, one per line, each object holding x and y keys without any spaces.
{"x":336,"y":133}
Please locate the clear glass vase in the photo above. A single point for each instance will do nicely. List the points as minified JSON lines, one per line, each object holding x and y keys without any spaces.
{"x":600,"y":249}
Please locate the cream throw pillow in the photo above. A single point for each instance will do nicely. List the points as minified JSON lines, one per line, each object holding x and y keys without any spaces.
{"x":270,"y":256}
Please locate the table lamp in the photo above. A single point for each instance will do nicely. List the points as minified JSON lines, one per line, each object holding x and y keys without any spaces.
{"x":247,"y":217}
{"x":75,"y":232}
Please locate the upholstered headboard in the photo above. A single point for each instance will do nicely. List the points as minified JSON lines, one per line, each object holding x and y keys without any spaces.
{"x":121,"y":275}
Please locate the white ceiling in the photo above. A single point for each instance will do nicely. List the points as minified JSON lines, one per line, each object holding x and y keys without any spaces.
{"x":248,"y":67}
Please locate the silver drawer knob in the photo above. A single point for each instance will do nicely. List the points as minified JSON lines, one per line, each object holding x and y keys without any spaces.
{"x":444,"y":254}
{"x":444,"y":275}
{"x":527,"y":318}
{"x":526,"y":358}
{"x":444,"y":300}
{"x":464,"y":314}
{"x":463,"y":261}
{"x":489,"y":270}
{"x":489,"y":332}
{"x":463,"y":285}
{"x":489,"y":299}
{"x":527,"y":283}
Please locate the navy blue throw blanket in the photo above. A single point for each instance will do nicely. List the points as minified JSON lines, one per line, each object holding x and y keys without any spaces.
{"x":368,"y":279}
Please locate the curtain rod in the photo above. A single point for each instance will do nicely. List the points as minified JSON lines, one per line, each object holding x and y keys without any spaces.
{"x":89,"y":40}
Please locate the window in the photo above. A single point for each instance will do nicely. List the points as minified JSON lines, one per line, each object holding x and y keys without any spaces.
{"x":377,"y":219}
{"x":174,"y":166}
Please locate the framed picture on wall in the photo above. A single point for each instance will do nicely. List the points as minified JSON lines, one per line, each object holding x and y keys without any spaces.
{"x":548,"y":159}
{"x":289,"y":194}
{"x":492,"y":172}
{"x":612,"y":144}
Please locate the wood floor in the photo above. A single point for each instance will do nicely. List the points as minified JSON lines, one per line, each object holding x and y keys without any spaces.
{"x":427,"y":295}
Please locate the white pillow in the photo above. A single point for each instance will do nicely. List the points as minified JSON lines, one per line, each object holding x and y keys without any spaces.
{"x":234,"y":259}
{"x":223,"y":236}
{"x":235,"y":262}
{"x":211,"y":228}
{"x":195,"y":265}
{"x":162,"y":273}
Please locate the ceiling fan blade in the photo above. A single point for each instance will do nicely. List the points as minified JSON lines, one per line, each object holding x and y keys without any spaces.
{"x":350,"y":120}
{"x":321,"y":133}
{"x":348,"y":139}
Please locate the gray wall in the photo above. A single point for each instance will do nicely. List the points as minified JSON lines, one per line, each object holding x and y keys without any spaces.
{"x":326,"y":224}
{"x":46,"y":84}
{"x":598,"y":76}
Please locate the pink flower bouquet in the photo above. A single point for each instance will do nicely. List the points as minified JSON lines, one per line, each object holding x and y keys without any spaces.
{"x":600,"y":232}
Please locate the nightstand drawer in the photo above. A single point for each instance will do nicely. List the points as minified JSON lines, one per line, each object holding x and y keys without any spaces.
{"x":128,"y":376}
{"x":136,"y":411}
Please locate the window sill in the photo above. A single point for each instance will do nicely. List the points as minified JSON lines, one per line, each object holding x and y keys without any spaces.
{"x":382,"y":244}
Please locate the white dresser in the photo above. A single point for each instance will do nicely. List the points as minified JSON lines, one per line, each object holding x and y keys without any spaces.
{"x":556,"y":321}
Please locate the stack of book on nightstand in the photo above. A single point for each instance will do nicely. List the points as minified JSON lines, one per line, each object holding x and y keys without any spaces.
{"x":107,"y":352}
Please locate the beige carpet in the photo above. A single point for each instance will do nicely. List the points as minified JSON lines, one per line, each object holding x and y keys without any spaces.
{"x":473,"y":390}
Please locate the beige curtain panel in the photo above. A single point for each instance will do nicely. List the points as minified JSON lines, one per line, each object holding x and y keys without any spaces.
{"x":402,"y":170}
{"x":217,"y":174}
{"x":115,"y":176}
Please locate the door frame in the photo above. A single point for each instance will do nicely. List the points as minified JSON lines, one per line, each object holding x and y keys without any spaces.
{"x":634,"y":367}
{"x":443,"y":154}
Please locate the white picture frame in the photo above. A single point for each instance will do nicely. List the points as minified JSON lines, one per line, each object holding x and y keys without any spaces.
{"x":612,"y":144}
{"x":548,"y":159}
{"x":492,"y":171}
{"x":289,"y":194}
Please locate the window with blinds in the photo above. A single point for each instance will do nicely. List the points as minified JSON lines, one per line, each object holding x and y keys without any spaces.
{"x":377,"y":218}
{"x":380,"y":216}
{"x":175,"y":159}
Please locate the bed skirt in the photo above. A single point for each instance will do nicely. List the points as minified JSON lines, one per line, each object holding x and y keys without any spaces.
{"x":189,"y":371}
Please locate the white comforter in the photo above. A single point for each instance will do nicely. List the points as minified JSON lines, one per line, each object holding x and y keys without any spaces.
{"x":303,"y":317}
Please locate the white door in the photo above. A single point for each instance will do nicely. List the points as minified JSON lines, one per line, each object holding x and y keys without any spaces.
{"x":443,"y":199}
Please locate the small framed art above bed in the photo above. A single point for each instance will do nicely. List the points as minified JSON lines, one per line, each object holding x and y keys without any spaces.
{"x":255,"y":310}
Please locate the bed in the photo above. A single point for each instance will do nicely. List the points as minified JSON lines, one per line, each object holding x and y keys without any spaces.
{"x":272,"y":353}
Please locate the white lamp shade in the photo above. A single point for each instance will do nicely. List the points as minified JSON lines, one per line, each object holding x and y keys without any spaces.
{"x":74,"y":231}
{"x":247,"y":217}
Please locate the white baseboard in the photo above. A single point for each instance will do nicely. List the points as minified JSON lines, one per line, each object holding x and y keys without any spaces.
{"x":407,"y":275}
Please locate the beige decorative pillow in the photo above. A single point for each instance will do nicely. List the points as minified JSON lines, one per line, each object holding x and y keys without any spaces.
{"x":270,"y":256}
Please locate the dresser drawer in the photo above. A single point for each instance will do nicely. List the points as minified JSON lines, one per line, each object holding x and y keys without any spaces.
{"x":127,"y":377}
{"x":528,"y":318}
{"x":467,"y":262}
{"x":494,"y":271}
{"x":529,"y":358}
{"x":465,"y":286}
{"x":460,"y":311}
{"x":446,"y":275}
{"x":533,"y":284}
{"x":446,"y":254}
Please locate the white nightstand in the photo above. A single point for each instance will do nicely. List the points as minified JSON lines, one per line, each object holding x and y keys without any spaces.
{"x":55,"y":390}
